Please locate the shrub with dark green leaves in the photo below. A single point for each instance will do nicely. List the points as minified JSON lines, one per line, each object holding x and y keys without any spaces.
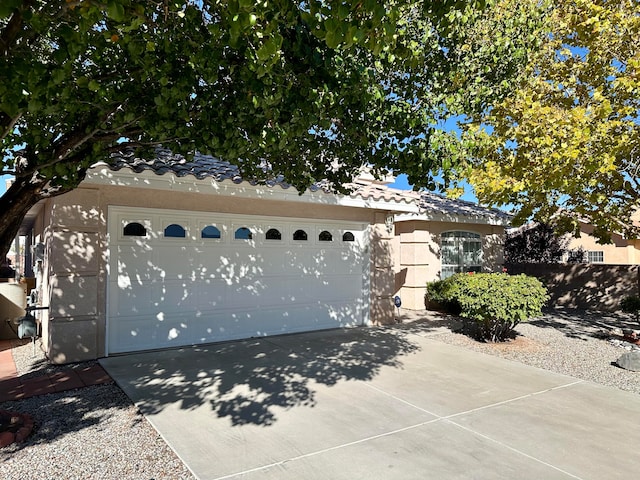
{"x":631,"y":304}
{"x":493,"y":303}
{"x":438,"y":297}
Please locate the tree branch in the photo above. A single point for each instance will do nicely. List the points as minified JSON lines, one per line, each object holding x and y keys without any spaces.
{"x":123,"y":145}
{"x":7,"y":124}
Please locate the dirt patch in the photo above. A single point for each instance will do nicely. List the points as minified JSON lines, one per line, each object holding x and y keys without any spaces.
{"x":518,"y":344}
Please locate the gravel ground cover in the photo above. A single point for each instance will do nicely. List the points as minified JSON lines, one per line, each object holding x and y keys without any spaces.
{"x":85,"y":434}
{"x":97,"y":433}
{"x":569,"y":342}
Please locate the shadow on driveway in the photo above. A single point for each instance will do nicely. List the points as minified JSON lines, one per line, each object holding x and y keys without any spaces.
{"x":256,"y":377}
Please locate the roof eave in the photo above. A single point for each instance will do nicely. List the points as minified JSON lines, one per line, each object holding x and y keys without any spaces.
{"x":102,"y":174}
{"x":494,"y":220}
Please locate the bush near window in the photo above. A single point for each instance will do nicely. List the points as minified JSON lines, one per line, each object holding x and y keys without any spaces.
{"x":439,"y":295}
{"x":492,"y":304}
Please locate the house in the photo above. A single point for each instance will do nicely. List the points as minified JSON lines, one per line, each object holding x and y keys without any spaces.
{"x":583,"y":248}
{"x":167,"y":252}
{"x":621,"y":250}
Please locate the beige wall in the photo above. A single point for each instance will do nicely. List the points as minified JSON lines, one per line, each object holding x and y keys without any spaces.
{"x":74,"y":286}
{"x":417,"y":255}
{"x":584,"y":286}
{"x":383,"y":279}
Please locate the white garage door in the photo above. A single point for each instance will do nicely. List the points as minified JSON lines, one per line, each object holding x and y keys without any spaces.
{"x":183,"y":278}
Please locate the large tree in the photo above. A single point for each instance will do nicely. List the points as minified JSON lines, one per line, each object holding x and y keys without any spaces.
{"x":310,"y":90}
{"x":566,"y":146}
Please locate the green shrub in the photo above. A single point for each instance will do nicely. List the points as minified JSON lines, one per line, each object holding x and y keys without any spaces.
{"x":631,"y":304}
{"x":493,"y":303}
{"x":439,"y":298}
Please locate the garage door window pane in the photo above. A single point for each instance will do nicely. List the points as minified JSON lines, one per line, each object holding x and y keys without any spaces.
{"x":175,"y":231}
{"x":300,"y":235}
{"x":325,"y":236}
{"x":210,"y":232}
{"x":134,"y":229}
{"x":243,"y":233}
{"x":348,"y":237}
{"x":273,"y":234}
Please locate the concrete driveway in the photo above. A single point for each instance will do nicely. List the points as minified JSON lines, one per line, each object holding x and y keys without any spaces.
{"x":377,"y":403}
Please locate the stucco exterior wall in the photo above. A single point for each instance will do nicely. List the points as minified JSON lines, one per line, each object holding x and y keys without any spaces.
{"x":584,"y":286}
{"x":74,"y":284}
{"x":76,"y":265}
{"x":383,"y":279}
{"x":417,"y":255}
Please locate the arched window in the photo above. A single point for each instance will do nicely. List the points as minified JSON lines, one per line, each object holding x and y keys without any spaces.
{"x":460,"y":252}
{"x":300,"y":235}
{"x":243,"y":233}
{"x":210,"y":231}
{"x":134,"y":229}
{"x":348,"y":237}
{"x":273,"y":234}
{"x":175,"y":231}
{"x":325,"y":236}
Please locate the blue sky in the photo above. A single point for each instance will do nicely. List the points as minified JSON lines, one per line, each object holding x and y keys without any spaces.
{"x":450,"y":125}
{"x":402,"y":184}
{"x":3,"y":179}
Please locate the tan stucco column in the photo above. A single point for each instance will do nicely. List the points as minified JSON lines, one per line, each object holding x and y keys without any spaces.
{"x":75,"y":269}
{"x":382,"y":275}
{"x":420,"y":263}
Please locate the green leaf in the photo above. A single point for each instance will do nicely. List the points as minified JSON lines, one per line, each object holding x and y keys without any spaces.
{"x":93,"y":85}
{"x":333,"y":39}
{"x":8,"y":6}
{"x":115,"y":10}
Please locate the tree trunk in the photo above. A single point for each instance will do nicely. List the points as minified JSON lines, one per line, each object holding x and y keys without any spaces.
{"x":14,"y":205}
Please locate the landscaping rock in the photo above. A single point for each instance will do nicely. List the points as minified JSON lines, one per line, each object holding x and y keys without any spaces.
{"x":14,"y":427}
{"x":630,"y":361}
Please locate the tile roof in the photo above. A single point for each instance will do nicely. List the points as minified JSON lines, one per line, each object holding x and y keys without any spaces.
{"x":432,"y":201}
{"x":206,"y":166}
{"x":200,"y":166}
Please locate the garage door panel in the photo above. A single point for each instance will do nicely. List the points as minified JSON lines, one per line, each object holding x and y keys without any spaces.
{"x":135,"y":300}
{"x":306,"y":289}
{"x":335,"y":261}
{"x":145,"y":333}
{"x":171,"y":295}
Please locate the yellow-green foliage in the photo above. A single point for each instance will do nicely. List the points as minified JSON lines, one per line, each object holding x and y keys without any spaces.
{"x":566,"y":144}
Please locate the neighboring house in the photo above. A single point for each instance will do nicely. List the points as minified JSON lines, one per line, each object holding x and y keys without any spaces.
{"x":163,"y":253}
{"x":621,"y":251}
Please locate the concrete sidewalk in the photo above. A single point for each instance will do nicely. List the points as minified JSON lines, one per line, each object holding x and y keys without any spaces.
{"x":377,"y":403}
{"x":14,"y":387}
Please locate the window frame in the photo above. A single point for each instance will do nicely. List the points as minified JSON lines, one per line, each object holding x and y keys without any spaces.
{"x":598,"y":253}
{"x":344,"y":233}
{"x":252,"y":230}
{"x":320,"y":231}
{"x":175,"y":237}
{"x":299,"y":228}
{"x":147,"y":223}
{"x":212,"y":239}
{"x":268,"y":229}
{"x":141,"y":224}
{"x":465,"y":237}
